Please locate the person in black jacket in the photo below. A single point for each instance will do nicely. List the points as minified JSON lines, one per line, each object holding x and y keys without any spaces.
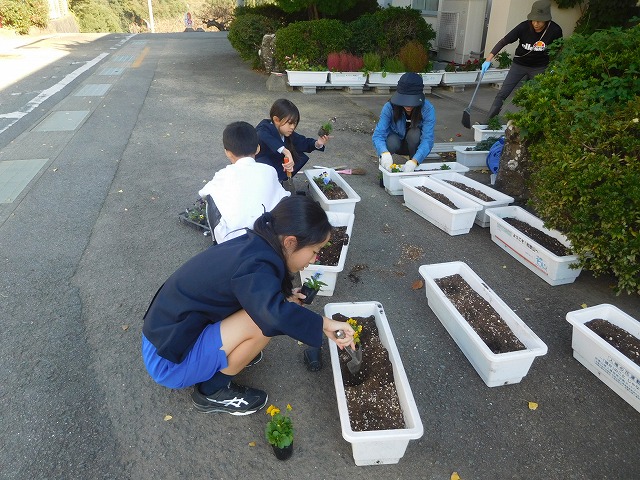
{"x":219,"y":310}
{"x":531,"y":56}
{"x":280,"y":145}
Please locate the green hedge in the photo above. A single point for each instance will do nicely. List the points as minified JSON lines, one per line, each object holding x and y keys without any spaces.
{"x":400,"y":26}
{"x":313,"y":40}
{"x":246,"y":32}
{"x":581,"y":122}
{"x":20,"y":15}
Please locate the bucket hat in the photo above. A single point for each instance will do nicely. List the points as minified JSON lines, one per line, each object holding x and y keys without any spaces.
{"x":410,"y":91}
{"x":540,"y":11}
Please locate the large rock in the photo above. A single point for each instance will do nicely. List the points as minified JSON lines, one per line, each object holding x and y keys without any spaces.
{"x":267,"y":52}
{"x":515,"y":166}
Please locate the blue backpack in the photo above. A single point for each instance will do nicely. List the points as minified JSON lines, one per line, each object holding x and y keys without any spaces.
{"x":493,"y":159}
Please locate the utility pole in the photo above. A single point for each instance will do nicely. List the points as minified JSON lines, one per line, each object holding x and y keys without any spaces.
{"x":152,"y":26}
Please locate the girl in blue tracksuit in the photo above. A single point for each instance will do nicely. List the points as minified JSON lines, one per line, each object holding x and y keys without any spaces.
{"x":219,"y":310}
{"x":280,"y":146}
{"x":406,"y":124}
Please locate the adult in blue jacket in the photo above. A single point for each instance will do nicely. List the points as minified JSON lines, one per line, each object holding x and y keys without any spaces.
{"x":406,"y":124}
{"x":219,"y":310}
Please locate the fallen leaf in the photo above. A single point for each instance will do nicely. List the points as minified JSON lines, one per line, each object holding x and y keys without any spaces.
{"x":417,"y":285}
{"x":451,"y":139}
{"x":584,"y":305}
{"x":458,"y":134}
{"x":125,"y":327}
{"x":533,"y":405}
{"x":252,"y":444}
{"x":455,"y":476}
{"x":167,"y":418}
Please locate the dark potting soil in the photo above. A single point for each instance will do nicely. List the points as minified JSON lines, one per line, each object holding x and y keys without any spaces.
{"x":329,"y":255}
{"x":331,"y":190}
{"x":371,"y":395}
{"x":480,"y":315}
{"x":547,"y":241}
{"x":472,"y":191}
{"x":617,"y":337}
{"x":438,"y":196}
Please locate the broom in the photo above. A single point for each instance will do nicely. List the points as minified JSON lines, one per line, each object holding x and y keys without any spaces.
{"x":466,"y":115}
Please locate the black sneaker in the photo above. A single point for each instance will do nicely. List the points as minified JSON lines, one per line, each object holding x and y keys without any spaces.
{"x":255,"y":361}
{"x":233,"y":399}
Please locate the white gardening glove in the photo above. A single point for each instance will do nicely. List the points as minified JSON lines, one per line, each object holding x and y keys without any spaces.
{"x":485,"y":66}
{"x":410,"y":166}
{"x":386,"y":160}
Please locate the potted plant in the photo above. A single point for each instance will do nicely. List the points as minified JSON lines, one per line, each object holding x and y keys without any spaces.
{"x":461,"y":74}
{"x":300,"y":73}
{"x":602,"y":356}
{"x":420,"y":196}
{"x":329,"y":176}
{"x":497,"y":75}
{"x":495,"y":369}
{"x":326,"y":128}
{"x":416,"y":59}
{"x":196,"y":216}
{"x":392,"y":70}
{"x":311,"y":287}
{"x":555,"y":269}
{"x":375,"y":447}
{"x":391,"y":180}
{"x":494,"y":128}
{"x":345,"y":69}
{"x":482,"y":194}
{"x":279,"y":432}
{"x":474,"y":157}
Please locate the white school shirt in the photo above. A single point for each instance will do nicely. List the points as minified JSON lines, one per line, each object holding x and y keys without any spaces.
{"x":242,"y":192}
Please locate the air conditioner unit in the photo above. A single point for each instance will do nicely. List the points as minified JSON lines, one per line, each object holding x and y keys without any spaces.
{"x":460,"y":28}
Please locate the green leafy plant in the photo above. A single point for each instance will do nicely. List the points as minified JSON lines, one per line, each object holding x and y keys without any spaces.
{"x":313,"y":40}
{"x":326,"y":129}
{"x":580,"y":122}
{"x":323,"y":181}
{"x":494,"y":123}
{"x":24,"y":14}
{"x":450,"y":67}
{"x":198,"y":212}
{"x":444,"y":166}
{"x":372,"y":62}
{"x":279,"y":430}
{"x":504,"y":59}
{"x":414,"y":57}
{"x":393,"y":65}
{"x":313,"y":283}
{"x":246,"y":32}
{"x":483,"y":145}
{"x":401,"y":25}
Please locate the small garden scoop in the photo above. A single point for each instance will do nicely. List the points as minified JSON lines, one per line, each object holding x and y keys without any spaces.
{"x":466,"y":115}
{"x":356,"y":356}
{"x":289,"y":179}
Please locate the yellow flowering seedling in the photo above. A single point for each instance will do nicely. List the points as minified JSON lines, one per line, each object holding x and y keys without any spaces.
{"x":357,"y":330}
{"x":395,"y":168}
{"x":279,"y":430}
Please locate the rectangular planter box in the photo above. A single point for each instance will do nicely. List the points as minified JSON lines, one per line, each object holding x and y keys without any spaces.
{"x":298,"y":78}
{"x":452,"y":221}
{"x":495,"y":369}
{"x":347,"y":78}
{"x":346,"y":205}
{"x":391,"y":181}
{"x":617,"y":371}
{"x":380,"y":446}
{"x":500,"y":199}
{"x":459,"y":78}
{"x":380,"y":78}
{"x":553,"y":269}
{"x":475,"y":160}
{"x":329,"y":274}
{"x":495,"y":75}
{"x":432,"y":79}
{"x":481,"y":133}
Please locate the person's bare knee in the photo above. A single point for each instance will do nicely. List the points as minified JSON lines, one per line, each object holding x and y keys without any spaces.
{"x":242,"y":340}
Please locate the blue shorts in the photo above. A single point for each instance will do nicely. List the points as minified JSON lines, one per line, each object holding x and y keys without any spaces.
{"x":203,"y":361}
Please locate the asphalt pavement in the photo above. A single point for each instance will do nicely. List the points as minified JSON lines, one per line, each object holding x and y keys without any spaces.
{"x":89,"y":239}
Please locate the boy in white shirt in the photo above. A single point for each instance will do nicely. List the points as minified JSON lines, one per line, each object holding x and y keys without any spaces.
{"x":243,"y":190}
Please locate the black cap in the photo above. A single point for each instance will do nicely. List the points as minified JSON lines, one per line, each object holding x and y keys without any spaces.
{"x":410,"y":91}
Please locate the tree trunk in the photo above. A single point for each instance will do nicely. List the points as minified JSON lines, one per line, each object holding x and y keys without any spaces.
{"x":515,"y":166}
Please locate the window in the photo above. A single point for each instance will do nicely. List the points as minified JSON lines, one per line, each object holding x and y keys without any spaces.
{"x":427,"y":6}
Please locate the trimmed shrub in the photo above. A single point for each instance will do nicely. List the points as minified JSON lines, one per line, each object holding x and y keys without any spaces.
{"x":366,"y":33}
{"x":245,"y":35}
{"x":414,"y":56}
{"x":94,"y":16}
{"x":400,"y":26}
{"x":580,"y":120}
{"x":393,"y":65}
{"x":313,"y":40}
{"x":20,"y":15}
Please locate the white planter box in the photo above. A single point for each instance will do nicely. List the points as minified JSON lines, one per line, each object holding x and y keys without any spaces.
{"x":480,"y":132}
{"x":329,"y":273}
{"x":432,"y":79}
{"x":495,"y":369}
{"x":452,"y":221}
{"x":346,"y":205}
{"x":391,"y":181}
{"x":612,"y":367}
{"x":380,"y":78}
{"x":475,"y":160}
{"x":347,"y":78}
{"x":552,"y":268}
{"x":500,"y":199}
{"x":459,"y":78}
{"x":380,"y":446}
{"x":299,"y":78}
{"x":495,"y":75}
